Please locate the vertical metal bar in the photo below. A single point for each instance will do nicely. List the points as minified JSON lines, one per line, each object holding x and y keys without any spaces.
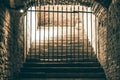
{"x":87,"y":29}
{"x":30,"y":32}
{"x":62,"y":37}
{"x":71,"y":34}
{"x":98,"y":33}
{"x":35,"y":34}
{"x":44,"y":35}
{"x":78,"y":34}
{"x":48,"y":29}
{"x":91,"y":34}
{"x":26,"y":36}
{"x":74,"y":35}
{"x":96,"y":36}
{"x":53,"y":36}
{"x":83,"y":36}
{"x":40,"y":34}
{"x":66,"y":32}
{"x":57,"y":30}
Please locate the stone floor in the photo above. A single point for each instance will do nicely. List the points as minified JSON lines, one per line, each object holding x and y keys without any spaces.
{"x":68,"y":79}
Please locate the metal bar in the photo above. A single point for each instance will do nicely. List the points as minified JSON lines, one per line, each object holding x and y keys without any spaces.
{"x":30,"y":33}
{"x":35,"y":34}
{"x":40,"y":35}
{"x":91,"y":36}
{"x":83,"y":34}
{"x":57,"y":31}
{"x":78,"y":34}
{"x":96,"y":36}
{"x":44,"y":34}
{"x":62,"y":37}
{"x":66,"y":33}
{"x":53,"y":35}
{"x":61,"y":11}
{"x":26,"y":36}
{"x":71,"y":34}
{"x":98,"y":45}
{"x":24,"y":55}
{"x":74,"y":34}
{"x":48,"y":30}
{"x":87,"y":30}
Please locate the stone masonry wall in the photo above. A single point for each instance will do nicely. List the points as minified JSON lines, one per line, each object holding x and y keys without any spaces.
{"x":5,"y":34}
{"x":17,"y":55}
{"x":11,"y":43}
{"x":101,"y":30}
{"x":113,"y":41}
{"x":109,"y":38}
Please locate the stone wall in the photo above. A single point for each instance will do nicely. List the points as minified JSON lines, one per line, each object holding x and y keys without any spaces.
{"x":11,"y":43}
{"x":109,"y":38}
{"x":113,"y":41}
{"x":17,"y":56}
{"x":5,"y":34}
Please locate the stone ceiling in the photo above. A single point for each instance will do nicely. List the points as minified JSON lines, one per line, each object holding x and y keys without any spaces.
{"x":26,"y":3}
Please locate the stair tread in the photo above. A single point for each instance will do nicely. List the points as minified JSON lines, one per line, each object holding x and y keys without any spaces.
{"x":79,"y":64}
{"x":62,"y":75}
{"x":62,"y":69}
{"x":63,"y":61}
{"x":64,"y":79}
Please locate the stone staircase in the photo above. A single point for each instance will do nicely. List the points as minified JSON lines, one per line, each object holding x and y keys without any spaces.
{"x":87,"y":70}
{"x":67,"y":58}
{"x":61,"y":51}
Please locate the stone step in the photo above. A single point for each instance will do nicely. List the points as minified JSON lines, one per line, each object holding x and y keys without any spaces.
{"x":64,"y":79}
{"x":60,"y":45}
{"x":61,"y":69}
{"x":61,"y":41}
{"x":57,"y":40}
{"x":67,"y":60}
{"x":60,"y":56}
{"x":85,"y":41}
{"x":79,"y":64}
{"x":60,"y":75}
{"x":63,"y":50}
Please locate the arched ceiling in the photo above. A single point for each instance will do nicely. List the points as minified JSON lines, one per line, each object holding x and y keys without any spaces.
{"x":26,"y":3}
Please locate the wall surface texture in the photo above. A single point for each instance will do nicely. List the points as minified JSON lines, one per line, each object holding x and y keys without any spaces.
{"x":113,"y":41}
{"x":11,"y":45}
{"x":5,"y":33}
{"x":17,"y":55}
{"x":108,"y":31}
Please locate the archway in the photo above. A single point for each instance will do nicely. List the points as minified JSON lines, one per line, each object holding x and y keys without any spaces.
{"x":60,"y":32}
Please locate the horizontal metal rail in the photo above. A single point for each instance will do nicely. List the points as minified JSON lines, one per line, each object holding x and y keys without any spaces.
{"x":61,"y":11}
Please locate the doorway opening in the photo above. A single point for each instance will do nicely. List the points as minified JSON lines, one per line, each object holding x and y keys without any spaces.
{"x":60,"y":33}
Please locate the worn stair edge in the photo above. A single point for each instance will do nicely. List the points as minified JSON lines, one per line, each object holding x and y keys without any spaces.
{"x":80,"y":64}
{"x":64,"y":60}
{"x":62,"y":75}
{"x":63,"y":79}
{"x":62,"y":69}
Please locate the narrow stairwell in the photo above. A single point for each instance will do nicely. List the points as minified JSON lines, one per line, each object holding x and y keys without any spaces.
{"x":69,"y":58}
{"x":87,"y":70}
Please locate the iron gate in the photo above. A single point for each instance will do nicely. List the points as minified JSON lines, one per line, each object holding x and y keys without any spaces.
{"x":60,"y":33}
